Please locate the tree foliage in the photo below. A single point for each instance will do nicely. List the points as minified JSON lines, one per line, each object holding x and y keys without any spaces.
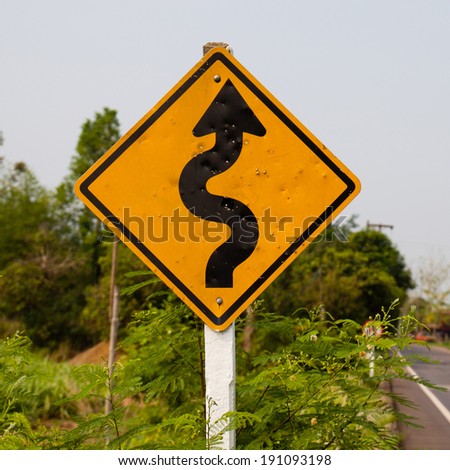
{"x":51,"y":247}
{"x":351,"y":276}
{"x":55,"y":256}
{"x":37,"y":264}
{"x":96,"y":137}
{"x":24,"y":210}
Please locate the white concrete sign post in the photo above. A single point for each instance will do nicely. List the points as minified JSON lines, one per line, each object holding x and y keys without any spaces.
{"x":220,"y":380}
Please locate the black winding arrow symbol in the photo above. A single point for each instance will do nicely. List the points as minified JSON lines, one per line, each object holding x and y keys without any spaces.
{"x":228,"y":116}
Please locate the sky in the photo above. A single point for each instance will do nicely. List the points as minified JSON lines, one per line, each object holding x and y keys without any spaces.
{"x":370,"y":79}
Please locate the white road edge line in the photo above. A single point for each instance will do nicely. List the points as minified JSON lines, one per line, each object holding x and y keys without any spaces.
{"x":432,"y":397}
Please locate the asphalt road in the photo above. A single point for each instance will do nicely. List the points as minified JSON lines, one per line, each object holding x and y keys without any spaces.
{"x":433,"y":407}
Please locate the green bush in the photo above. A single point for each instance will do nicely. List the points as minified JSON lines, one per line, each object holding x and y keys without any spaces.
{"x":304,"y":381}
{"x":312,"y":388}
{"x":30,"y":387}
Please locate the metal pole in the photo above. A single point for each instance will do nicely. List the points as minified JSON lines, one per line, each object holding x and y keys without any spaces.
{"x":220,"y":370}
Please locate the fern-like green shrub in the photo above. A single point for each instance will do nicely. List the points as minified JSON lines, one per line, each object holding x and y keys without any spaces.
{"x":30,"y":386}
{"x":317,"y":390}
{"x":304,"y":381}
{"x":15,"y":427}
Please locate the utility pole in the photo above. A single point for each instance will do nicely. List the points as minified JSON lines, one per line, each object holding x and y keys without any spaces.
{"x":379,"y":227}
{"x":114,"y":324}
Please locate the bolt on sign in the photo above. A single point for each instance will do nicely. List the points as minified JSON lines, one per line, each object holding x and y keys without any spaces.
{"x":218,"y":188}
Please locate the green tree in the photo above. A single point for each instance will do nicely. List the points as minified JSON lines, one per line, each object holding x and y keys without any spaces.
{"x":43,"y":293}
{"x":434,"y":291}
{"x":382,"y":254}
{"x":350,"y":276}
{"x":24,"y":209}
{"x":97,"y":136}
{"x":41,"y":281}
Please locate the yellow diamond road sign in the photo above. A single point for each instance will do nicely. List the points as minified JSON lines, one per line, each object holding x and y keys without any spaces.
{"x":217,"y":188}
